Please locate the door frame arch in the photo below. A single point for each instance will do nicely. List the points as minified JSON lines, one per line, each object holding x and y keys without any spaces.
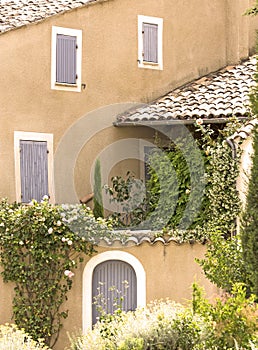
{"x":87,"y":281}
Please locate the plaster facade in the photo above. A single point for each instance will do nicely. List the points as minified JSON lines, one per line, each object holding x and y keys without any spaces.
{"x":169,"y":274}
{"x":198,"y":37}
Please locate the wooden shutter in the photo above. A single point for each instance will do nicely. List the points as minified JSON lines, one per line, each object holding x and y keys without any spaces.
{"x":34,"y":170}
{"x":150,"y":42}
{"x":112,"y":273}
{"x":66,"y":59}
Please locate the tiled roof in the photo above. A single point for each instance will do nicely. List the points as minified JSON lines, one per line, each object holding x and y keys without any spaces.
{"x":131,"y":238}
{"x":215,"y":96}
{"x":245,"y":131}
{"x":17,"y":13}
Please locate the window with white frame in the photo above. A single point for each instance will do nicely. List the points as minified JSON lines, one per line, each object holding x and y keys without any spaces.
{"x":66,"y":57}
{"x":33,"y":154}
{"x":150,"y":32}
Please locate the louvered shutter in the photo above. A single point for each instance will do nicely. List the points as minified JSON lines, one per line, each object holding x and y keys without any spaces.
{"x":34,"y":170}
{"x":150,"y":42}
{"x":66,"y":59}
{"x":112,"y":273}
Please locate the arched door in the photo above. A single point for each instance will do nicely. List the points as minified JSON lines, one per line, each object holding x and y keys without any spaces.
{"x":114,"y":285}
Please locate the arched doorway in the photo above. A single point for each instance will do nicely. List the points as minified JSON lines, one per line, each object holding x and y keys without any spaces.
{"x":114,"y":286}
{"x":124,"y":264}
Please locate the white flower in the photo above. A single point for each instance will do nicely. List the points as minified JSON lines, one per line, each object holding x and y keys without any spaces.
{"x":45,"y":198}
{"x":2,"y":224}
{"x":50,"y":230}
{"x":69,"y":242}
{"x":58,"y":223}
{"x":69,"y":273}
{"x":187,"y":191}
{"x":63,"y":239}
{"x":21,"y":243}
{"x":199,"y":121}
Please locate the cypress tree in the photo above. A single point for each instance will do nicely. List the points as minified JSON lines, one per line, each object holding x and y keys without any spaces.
{"x":249,"y":223}
{"x":98,"y":210}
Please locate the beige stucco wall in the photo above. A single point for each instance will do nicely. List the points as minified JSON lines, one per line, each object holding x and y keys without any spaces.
{"x":198,"y":37}
{"x":245,"y":168}
{"x":170,"y":271}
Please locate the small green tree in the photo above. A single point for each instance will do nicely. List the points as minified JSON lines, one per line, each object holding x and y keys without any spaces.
{"x":98,"y":210}
{"x":249,"y":223}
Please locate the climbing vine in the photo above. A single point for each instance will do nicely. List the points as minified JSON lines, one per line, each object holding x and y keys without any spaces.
{"x":40,"y":248}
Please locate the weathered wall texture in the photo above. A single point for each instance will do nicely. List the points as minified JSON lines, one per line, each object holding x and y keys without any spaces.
{"x":198,"y":37}
{"x":169,"y":273}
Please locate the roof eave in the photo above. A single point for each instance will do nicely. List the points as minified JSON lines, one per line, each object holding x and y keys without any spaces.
{"x":173,"y":122}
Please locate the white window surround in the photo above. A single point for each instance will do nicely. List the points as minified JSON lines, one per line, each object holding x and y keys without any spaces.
{"x":33,"y":136}
{"x":70,"y":32}
{"x":152,"y":20}
{"x":87,"y":281}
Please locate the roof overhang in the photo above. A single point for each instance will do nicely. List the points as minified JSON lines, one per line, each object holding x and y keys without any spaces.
{"x":175,"y":122}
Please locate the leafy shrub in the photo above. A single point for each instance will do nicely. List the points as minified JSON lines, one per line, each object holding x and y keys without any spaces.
{"x":234,"y":318}
{"x":161,"y":325}
{"x":229,"y":323}
{"x":12,"y":338}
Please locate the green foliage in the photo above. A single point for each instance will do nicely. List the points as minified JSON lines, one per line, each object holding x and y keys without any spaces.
{"x":173,"y":177}
{"x":127,"y":195}
{"x":98,"y":209}
{"x":233,"y":320}
{"x":166,"y":325}
{"x":223,"y":264}
{"x":40,"y":246}
{"x":249,"y":223}
{"x":12,"y":338}
{"x":181,"y":198}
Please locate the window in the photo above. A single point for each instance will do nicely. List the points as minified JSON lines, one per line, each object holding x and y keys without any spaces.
{"x":33,"y":166}
{"x":150,"y":31}
{"x":66,"y":59}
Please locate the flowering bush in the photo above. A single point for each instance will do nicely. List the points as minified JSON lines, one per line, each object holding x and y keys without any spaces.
{"x":40,"y":246}
{"x":12,"y":338}
{"x":161,"y":325}
{"x":229,"y":323}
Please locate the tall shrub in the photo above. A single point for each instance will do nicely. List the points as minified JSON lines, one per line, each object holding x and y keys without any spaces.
{"x":98,"y":210}
{"x":249,"y":223}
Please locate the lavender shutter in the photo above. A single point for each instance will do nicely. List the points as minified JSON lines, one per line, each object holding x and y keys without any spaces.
{"x":66,"y":59}
{"x":150,"y":42}
{"x":34,"y":170}
{"x":112,"y":273}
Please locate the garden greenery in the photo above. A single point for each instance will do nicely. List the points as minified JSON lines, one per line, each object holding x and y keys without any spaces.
{"x":220,"y":201}
{"x":98,"y":209}
{"x":224,"y":324}
{"x":249,"y":223}
{"x":40,"y":247}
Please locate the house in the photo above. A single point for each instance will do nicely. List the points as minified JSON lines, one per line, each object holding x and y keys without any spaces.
{"x":78,"y":81}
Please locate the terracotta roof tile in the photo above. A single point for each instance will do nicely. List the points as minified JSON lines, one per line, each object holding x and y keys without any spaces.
{"x":217,"y":95}
{"x":17,"y":13}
